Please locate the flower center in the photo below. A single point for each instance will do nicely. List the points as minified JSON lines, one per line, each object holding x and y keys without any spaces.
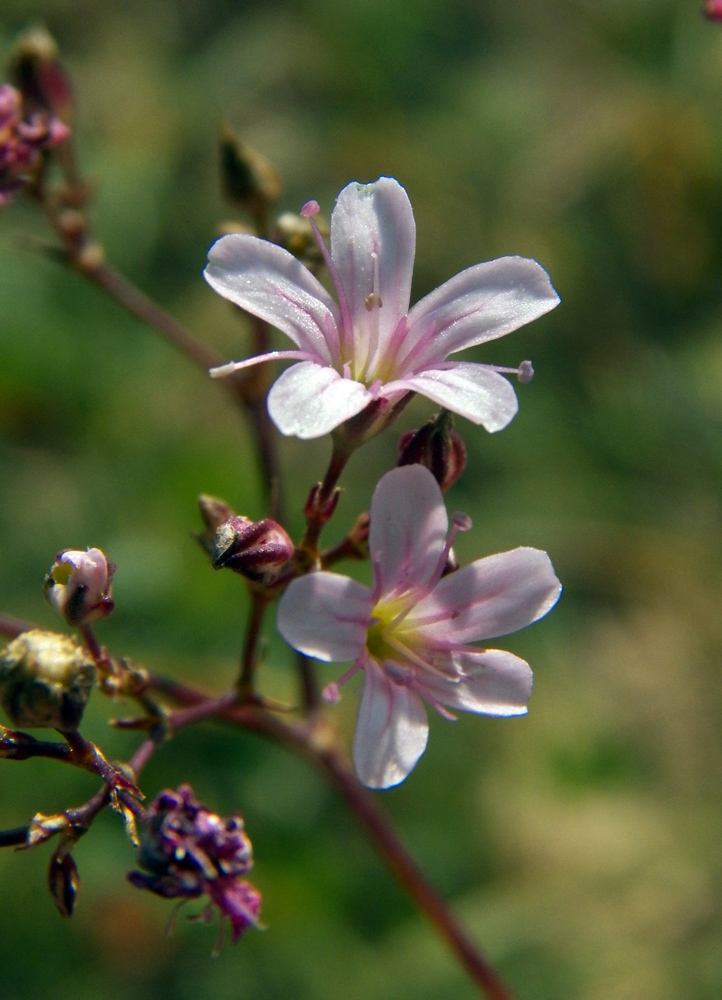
{"x":384,"y":636}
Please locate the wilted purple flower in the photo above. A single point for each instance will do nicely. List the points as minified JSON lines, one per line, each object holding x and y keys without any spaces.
{"x":187,"y":852}
{"x":23,"y":141}
{"x":370,"y":346}
{"x":411,"y":633}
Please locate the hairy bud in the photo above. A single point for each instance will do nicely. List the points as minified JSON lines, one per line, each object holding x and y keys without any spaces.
{"x":214,"y":512}
{"x":45,"y":680}
{"x":63,"y":880}
{"x":436,"y":446}
{"x":252,"y":548}
{"x":36,"y":71}
{"x":187,"y":851}
{"x":249,"y":181}
{"x":78,"y":586}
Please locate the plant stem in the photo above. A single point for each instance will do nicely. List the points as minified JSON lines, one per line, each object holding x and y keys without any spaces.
{"x":258,"y":607}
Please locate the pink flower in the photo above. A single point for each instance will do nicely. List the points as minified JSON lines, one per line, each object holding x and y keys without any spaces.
{"x":410,"y":632}
{"x":78,"y":585}
{"x":369,"y":345}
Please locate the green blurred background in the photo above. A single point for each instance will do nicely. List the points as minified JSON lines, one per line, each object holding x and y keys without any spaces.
{"x":580,"y":844}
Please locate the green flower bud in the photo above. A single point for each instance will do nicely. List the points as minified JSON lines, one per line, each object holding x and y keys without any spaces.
{"x":45,"y":680}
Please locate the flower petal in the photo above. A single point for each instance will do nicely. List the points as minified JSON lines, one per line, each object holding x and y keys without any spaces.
{"x":490,"y":597}
{"x":309,"y":400}
{"x":267,"y":281}
{"x":477,"y":392}
{"x":408,"y":530}
{"x":370,"y":219}
{"x":325,"y":615}
{"x":494,"y":682}
{"x":391,"y":730}
{"x":479,"y":304}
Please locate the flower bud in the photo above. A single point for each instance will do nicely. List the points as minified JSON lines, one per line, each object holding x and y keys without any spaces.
{"x":252,"y":548}
{"x":78,"y":586}
{"x":35,"y":70}
{"x":249,"y":181}
{"x":438,"y":447}
{"x":213,"y":513}
{"x":45,"y":680}
{"x":712,"y":9}
{"x":63,"y":880}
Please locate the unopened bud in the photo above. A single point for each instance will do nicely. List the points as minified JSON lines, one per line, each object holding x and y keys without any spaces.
{"x":63,"y":881}
{"x":437,"y":447}
{"x":317,"y":508}
{"x":78,"y":586}
{"x":249,"y":181}
{"x":214,"y":512}
{"x":712,"y":9}
{"x":36,"y":71}
{"x":24,"y":142}
{"x":45,"y":680}
{"x":252,"y":548}
{"x":294,"y":233}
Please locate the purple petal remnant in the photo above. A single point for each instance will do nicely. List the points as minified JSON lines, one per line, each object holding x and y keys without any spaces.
{"x":409,"y":634}
{"x":368,"y":345}
{"x":187,"y":851}
{"x":23,"y":141}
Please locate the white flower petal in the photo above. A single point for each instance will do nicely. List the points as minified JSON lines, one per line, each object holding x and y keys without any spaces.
{"x":370,"y":219}
{"x":391,"y":730}
{"x":490,"y":597}
{"x":268,"y":281}
{"x":309,"y":400}
{"x":325,"y":615}
{"x":408,"y":529}
{"x":494,"y":683}
{"x":479,"y":304}
{"x":477,"y":392}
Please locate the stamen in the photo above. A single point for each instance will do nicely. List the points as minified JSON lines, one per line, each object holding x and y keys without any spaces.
{"x":459,"y":522}
{"x":234,"y":366}
{"x":371,"y":338}
{"x":402,"y":648}
{"x":526,"y":371}
{"x":332,"y":692}
{"x":310,"y":209}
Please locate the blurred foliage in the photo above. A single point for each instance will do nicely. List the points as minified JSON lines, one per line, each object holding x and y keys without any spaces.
{"x":581,"y":844}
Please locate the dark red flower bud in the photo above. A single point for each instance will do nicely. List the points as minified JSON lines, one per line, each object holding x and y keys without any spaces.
{"x":437,"y":447}
{"x":36,"y":71}
{"x":252,"y":548}
{"x":712,"y":9}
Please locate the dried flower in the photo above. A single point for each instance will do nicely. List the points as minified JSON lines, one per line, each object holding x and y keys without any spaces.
{"x":78,"y":586}
{"x":410,"y":633}
{"x":45,"y":680}
{"x":23,"y":142}
{"x":186,"y":851}
{"x":370,"y":346}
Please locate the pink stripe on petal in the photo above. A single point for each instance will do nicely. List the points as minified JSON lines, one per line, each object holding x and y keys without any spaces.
{"x":391,"y":730}
{"x":267,"y":281}
{"x":407,"y":530}
{"x":490,"y":597}
{"x":370,"y":219}
{"x":493,"y":682}
{"x":309,"y":400}
{"x":325,"y":615}
{"x":474,"y":391}
{"x":481,"y":303}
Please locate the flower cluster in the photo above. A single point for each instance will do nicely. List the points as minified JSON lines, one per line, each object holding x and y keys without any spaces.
{"x":23,"y":141}
{"x":187,"y":851}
